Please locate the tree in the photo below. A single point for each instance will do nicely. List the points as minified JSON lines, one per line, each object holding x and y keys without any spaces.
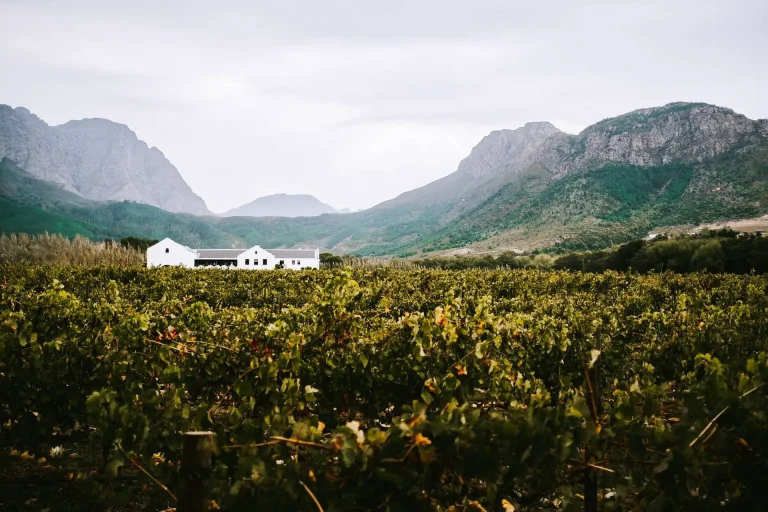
{"x":622,"y":258}
{"x":709,"y":256}
{"x":141,"y":244}
{"x":328,"y":259}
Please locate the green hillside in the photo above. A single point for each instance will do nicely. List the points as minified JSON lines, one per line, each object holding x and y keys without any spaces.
{"x":33,"y":206}
{"x":19,"y":218}
{"x":591,"y":208}
{"x":614,"y":203}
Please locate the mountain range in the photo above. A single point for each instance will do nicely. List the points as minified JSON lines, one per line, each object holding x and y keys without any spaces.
{"x":534,"y":187}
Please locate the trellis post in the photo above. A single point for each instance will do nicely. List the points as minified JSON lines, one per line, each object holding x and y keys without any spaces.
{"x":195,"y":471}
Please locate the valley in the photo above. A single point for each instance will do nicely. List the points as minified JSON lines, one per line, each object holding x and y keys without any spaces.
{"x":529,"y":189}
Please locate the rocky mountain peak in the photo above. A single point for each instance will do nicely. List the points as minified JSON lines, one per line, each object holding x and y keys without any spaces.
{"x":540,"y":127}
{"x":96,"y":158}
{"x":502,"y":148}
{"x":23,"y":113}
{"x":677,"y":132}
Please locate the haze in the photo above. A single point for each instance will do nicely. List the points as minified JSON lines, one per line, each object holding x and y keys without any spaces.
{"x":355,"y":102}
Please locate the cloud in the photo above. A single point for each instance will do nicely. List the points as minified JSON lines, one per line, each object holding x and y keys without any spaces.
{"x":356,"y":102}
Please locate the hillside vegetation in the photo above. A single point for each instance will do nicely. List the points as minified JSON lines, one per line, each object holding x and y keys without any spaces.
{"x":530,"y":188}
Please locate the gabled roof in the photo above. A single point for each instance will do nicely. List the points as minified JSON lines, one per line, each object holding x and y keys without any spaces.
{"x":219,"y":254}
{"x":292,"y":253}
{"x":232,"y":254}
{"x":166,"y":239}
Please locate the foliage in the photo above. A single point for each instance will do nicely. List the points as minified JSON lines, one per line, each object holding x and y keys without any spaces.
{"x":507,"y":260}
{"x":58,"y":250}
{"x":141,"y":244}
{"x":718,"y":251}
{"x":385,"y":389}
{"x":326,"y":258}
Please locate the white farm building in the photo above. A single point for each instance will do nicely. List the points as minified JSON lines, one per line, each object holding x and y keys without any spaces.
{"x":170,"y":253}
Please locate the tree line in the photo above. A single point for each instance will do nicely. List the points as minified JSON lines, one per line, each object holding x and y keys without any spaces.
{"x":715,"y":251}
{"x":712,"y":251}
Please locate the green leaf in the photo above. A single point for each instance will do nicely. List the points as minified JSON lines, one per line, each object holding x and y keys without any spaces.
{"x":348,"y":457}
{"x":375,"y":436}
{"x":94,"y":400}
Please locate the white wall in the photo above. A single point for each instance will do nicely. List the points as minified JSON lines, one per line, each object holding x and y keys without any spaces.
{"x":253,"y":255}
{"x":262,"y":254}
{"x":299,"y":263}
{"x":176,"y":254}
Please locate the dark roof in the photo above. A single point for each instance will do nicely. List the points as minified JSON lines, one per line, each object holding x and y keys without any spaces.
{"x":219,"y":254}
{"x":232,"y":254}
{"x":292,"y":253}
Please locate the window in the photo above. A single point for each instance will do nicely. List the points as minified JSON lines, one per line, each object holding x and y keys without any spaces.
{"x":293,"y":262}
{"x":298,"y":262}
{"x":167,"y":250}
{"x":255,"y":261}
{"x":247,"y":261}
{"x":255,"y":252}
{"x":264,"y":261}
{"x":282,"y":262}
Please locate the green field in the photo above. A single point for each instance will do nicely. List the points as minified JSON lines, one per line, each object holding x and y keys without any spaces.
{"x":384,"y":390}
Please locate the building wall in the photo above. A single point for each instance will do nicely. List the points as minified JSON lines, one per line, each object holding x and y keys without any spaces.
{"x":299,"y":263}
{"x":177,"y":255}
{"x":253,"y":255}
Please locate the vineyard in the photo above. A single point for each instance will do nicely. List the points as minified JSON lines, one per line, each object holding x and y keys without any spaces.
{"x":390,"y":389}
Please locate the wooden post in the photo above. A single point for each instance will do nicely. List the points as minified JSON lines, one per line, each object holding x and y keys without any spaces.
{"x":594,"y":395}
{"x":195,"y":471}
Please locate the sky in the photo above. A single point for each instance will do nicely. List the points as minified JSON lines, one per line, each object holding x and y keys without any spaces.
{"x":357,"y":101}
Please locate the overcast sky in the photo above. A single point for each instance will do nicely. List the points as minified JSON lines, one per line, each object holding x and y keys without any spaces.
{"x":357,"y":101}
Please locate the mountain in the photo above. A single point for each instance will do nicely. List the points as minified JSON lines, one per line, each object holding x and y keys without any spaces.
{"x":530,"y":188}
{"x":618,"y":178}
{"x":95,"y":158}
{"x":30,"y":205}
{"x":282,"y":205}
{"x":495,"y":159}
{"x":538,"y":188}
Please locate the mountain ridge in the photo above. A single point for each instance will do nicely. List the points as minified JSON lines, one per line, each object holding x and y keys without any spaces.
{"x":484,"y":160}
{"x":96,"y":158}
{"x":536,"y":187}
{"x":282,"y":205}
